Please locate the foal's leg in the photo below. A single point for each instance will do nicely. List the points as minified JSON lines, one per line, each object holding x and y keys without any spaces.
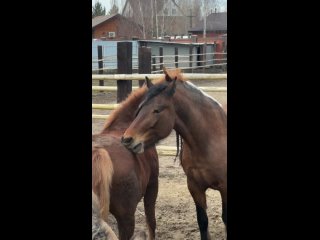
{"x":149,"y":201}
{"x":199,"y":198}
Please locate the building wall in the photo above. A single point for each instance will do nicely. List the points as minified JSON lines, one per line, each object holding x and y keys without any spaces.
{"x":103,"y":29}
{"x":183,"y":52}
{"x":123,"y":28}
{"x":109,"y":53}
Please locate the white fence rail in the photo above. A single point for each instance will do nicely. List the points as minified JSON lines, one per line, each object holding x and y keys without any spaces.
{"x":136,"y":76}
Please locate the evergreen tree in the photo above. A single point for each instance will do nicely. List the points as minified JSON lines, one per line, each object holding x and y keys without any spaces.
{"x":98,"y":10}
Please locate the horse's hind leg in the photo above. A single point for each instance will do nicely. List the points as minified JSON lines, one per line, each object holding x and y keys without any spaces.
{"x":149,"y":201}
{"x":199,"y":198}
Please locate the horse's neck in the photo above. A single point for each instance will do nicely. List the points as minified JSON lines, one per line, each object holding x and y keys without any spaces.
{"x":198,"y":117}
{"x":123,"y":117}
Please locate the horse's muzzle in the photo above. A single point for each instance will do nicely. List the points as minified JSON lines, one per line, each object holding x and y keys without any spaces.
{"x":138,"y":148}
{"x":126,"y":141}
{"x":133,"y":146}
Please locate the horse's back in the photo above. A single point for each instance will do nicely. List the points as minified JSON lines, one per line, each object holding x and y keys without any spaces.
{"x":124,"y":160}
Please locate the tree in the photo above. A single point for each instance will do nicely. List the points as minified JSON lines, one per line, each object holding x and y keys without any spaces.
{"x":113,"y":10}
{"x":98,"y":10}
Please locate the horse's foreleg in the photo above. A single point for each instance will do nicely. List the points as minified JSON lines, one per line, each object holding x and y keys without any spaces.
{"x":149,"y":201}
{"x":223,"y":193}
{"x":126,"y":226}
{"x":199,"y":198}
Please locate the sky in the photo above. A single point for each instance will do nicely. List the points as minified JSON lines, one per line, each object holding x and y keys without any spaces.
{"x":107,"y":4}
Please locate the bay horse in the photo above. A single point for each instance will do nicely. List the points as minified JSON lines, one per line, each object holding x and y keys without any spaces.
{"x":133,"y":175}
{"x":174,"y":103}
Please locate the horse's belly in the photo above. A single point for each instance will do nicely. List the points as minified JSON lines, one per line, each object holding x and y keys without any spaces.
{"x":207,"y":174}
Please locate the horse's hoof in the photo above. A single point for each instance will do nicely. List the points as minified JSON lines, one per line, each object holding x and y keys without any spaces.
{"x":141,"y":235}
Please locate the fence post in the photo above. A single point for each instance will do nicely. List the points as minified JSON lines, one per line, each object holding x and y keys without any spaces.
{"x":204,"y":57}
{"x":124,"y":55}
{"x":161,"y":57}
{"x":154,"y":67}
{"x":190,"y":58}
{"x":176,"y":56}
{"x":215,"y":56}
{"x":100,"y":64}
{"x":144,"y":61}
{"x":214,"y":52}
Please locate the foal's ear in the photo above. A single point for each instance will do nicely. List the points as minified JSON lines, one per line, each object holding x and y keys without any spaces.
{"x":168,"y":78}
{"x":172,"y":87}
{"x":164,"y":70}
{"x":148,"y":82}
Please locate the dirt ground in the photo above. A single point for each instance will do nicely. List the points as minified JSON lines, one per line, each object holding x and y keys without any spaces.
{"x":175,"y":209}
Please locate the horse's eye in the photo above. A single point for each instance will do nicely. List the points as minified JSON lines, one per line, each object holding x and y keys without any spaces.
{"x":156,"y":111}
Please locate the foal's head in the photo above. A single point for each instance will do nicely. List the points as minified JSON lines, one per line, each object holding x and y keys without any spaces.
{"x":155,"y":116}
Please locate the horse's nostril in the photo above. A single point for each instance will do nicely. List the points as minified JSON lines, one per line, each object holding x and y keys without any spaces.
{"x":126,"y":141}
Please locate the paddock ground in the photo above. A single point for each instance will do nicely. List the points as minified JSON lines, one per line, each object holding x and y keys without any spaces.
{"x":175,"y":209}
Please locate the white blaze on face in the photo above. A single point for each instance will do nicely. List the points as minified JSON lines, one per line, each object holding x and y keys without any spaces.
{"x":195,"y":87}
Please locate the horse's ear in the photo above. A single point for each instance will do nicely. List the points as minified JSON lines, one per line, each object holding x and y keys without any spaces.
{"x":168,"y":78}
{"x":148,"y":82}
{"x":164,"y":69}
{"x":172,"y":87}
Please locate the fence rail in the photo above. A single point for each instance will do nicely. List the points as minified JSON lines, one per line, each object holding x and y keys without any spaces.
{"x":136,"y":76}
{"x":166,"y":150}
{"x":114,"y":89}
{"x":104,"y":106}
{"x":100,"y":116}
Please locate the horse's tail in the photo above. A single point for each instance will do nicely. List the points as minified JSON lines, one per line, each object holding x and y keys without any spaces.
{"x":102,"y":172}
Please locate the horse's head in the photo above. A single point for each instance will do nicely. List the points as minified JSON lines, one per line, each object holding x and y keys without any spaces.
{"x":155,"y":116}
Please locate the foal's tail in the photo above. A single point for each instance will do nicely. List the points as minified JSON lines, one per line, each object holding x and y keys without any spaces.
{"x":102,"y":172}
{"x":100,"y":229}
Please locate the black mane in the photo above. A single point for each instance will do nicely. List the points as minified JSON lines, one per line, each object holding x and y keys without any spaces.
{"x":155,"y":90}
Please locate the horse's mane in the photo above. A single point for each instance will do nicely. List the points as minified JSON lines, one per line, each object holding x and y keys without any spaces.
{"x":124,"y":107}
{"x":172,"y":74}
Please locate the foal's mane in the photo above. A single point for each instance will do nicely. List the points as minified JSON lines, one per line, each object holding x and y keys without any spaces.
{"x":174,"y":73}
{"x":125,"y":108}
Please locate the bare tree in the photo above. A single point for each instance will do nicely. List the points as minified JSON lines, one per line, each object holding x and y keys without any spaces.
{"x":150,"y":15}
{"x":114,"y":10}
